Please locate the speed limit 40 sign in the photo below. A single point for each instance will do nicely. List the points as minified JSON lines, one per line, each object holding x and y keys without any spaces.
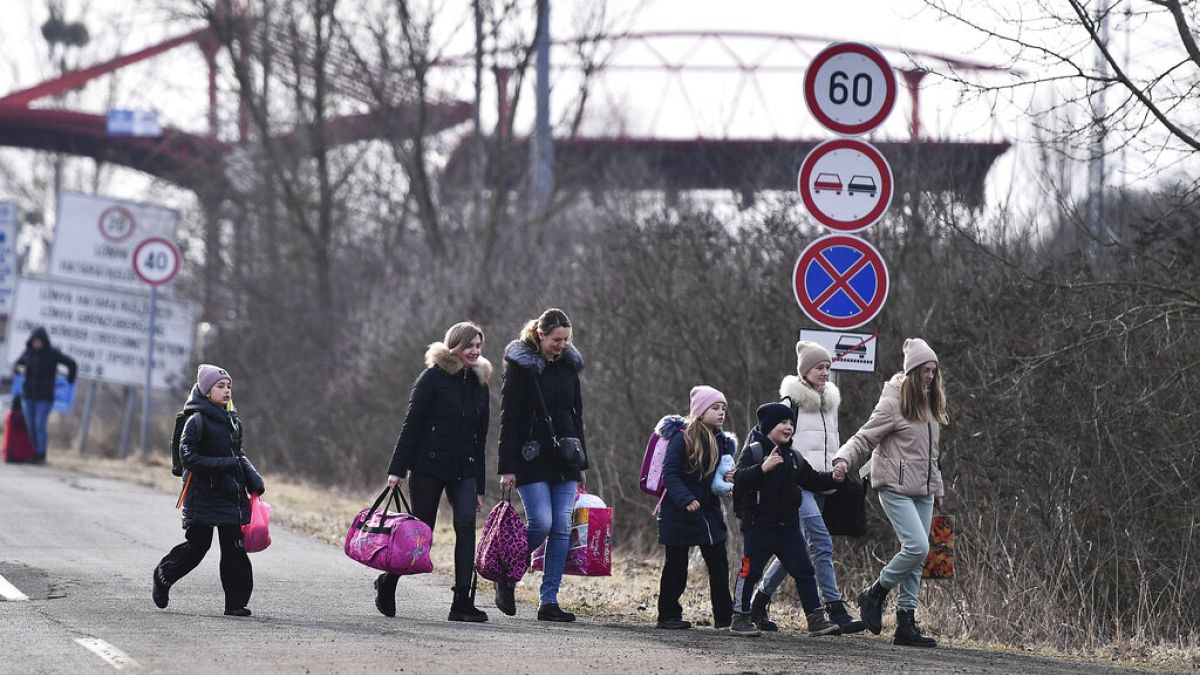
{"x":850,"y":88}
{"x":156,"y":261}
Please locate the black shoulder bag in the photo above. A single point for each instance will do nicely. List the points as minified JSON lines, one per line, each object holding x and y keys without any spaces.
{"x":568,"y":450}
{"x":845,"y":511}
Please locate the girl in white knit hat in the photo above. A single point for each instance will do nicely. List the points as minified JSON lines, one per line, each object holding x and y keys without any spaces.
{"x":901,"y":438}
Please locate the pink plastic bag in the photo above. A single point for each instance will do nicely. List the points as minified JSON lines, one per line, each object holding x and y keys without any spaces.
{"x":256,"y":535}
{"x":590,"y":552}
{"x":503,"y":553}
{"x":391,"y":542}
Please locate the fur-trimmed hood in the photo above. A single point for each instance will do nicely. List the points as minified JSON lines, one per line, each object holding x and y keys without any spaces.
{"x":438,"y":354}
{"x":525,"y":355}
{"x":806,"y":399}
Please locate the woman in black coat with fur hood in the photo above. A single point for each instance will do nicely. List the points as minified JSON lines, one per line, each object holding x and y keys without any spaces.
{"x":217,"y":480}
{"x":541,"y":418}
{"x":442,"y":445}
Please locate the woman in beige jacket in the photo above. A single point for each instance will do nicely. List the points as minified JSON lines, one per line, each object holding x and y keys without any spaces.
{"x":901,"y":439}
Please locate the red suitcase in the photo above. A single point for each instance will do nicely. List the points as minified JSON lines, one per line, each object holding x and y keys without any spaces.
{"x":17,"y":445}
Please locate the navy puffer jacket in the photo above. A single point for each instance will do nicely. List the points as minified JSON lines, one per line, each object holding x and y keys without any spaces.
{"x":217,"y":475}
{"x":677,"y":527}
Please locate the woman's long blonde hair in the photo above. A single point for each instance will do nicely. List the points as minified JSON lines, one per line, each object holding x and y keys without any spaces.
{"x":920,"y":404}
{"x":702,"y":450}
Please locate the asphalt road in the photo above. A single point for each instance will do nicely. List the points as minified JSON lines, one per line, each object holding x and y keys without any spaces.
{"x":82,"y":550}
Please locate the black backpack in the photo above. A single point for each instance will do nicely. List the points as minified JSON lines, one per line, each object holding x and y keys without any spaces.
{"x":181,"y":419}
{"x":744,"y":497}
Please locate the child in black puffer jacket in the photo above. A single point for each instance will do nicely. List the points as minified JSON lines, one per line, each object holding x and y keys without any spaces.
{"x":767,"y":498}
{"x":217,"y":481}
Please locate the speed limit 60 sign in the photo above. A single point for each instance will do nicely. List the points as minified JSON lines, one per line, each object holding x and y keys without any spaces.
{"x":850,"y":88}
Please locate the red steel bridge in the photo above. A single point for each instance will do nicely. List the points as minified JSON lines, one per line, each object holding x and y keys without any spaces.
{"x":197,"y":161}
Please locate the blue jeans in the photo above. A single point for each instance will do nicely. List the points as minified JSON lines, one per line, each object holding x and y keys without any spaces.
{"x":910,"y":518}
{"x":548,"y":508}
{"x":37,"y":418}
{"x":820,"y":550}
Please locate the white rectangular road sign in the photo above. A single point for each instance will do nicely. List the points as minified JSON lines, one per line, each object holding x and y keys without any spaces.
{"x":105,"y":330}
{"x":8,"y":254}
{"x":851,"y":351}
{"x":95,"y":238}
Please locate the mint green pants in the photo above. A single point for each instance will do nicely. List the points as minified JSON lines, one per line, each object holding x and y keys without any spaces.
{"x":910,"y":518}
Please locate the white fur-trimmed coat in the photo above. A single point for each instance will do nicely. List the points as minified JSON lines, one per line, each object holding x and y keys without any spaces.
{"x":816,"y":438}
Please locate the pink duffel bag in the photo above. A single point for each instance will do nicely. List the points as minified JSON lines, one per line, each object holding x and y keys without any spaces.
{"x":395,"y":542}
{"x":503,"y":553}
{"x":256,"y":535}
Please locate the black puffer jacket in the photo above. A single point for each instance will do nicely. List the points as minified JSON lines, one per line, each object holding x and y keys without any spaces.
{"x":521,"y":416}
{"x":217,"y":476}
{"x":446,"y":426}
{"x":41,"y":367}
{"x":773,"y":499}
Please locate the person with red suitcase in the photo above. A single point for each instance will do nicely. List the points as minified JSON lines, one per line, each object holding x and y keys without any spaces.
{"x":39,"y":363}
{"x":17,"y":445}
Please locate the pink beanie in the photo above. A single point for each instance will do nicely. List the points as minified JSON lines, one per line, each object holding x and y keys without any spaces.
{"x":207,"y":375}
{"x":809,"y":354}
{"x":703,"y":397}
{"x":917,"y":352}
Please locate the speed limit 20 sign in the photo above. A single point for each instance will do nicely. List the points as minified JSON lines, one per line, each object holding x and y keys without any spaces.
{"x":850,"y":88}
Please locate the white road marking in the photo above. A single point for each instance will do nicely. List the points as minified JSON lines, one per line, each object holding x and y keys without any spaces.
{"x":9,"y":592}
{"x":115,"y":657}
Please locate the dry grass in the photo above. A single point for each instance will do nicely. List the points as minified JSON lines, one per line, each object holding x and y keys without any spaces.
{"x":631,"y":595}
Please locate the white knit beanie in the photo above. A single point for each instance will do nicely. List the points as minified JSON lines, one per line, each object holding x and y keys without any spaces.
{"x":917,"y":352}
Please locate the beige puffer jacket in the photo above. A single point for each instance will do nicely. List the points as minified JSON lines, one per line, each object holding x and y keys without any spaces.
{"x":816,"y":438}
{"x":904,"y":455}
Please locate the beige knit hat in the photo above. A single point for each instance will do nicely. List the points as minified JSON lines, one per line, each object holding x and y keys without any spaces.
{"x":809,"y":354}
{"x":917,"y":352}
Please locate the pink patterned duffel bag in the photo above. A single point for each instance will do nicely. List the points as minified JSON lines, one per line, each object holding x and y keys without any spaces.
{"x":503,"y":553}
{"x":393,"y":542}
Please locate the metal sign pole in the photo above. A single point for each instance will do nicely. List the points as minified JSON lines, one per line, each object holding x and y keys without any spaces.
{"x":87,"y":416}
{"x":149,"y":375}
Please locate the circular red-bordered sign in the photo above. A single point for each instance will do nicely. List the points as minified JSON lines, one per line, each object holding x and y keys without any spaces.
{"x":850,"y":88}
{"x":116,"y":224}
{"x":156,"y":261}
{"x":840,"y":281}
{"x":846,"y":184}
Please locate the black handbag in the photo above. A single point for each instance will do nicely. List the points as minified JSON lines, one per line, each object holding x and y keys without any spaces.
{"x":845,"y":511}
{"x":568,"y":450}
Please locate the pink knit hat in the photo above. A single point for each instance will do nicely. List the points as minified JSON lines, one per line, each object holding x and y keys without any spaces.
{"x":703,"y":397}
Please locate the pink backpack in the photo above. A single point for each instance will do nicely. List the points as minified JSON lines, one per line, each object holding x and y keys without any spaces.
{"x":651,"y":479}
{"x":503,"y":553}
{"x":391,"y":542}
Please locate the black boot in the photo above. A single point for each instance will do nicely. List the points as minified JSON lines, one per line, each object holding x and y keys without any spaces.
{"x":838,"y":614}
{"x":506,"y":601}
{"x":758,"y":612}
{"x":463,"y":608}
{"x":870,"y":606}
{"x":552,"y":612}
{"x":907,"y":634}
{"x":385,"y":593}
{"x":161,"y":590}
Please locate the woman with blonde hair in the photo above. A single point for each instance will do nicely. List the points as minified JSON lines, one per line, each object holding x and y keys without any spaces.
{"x":542,"y":448}
{"x":902,"y":440}
{"x":441,"y":445}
